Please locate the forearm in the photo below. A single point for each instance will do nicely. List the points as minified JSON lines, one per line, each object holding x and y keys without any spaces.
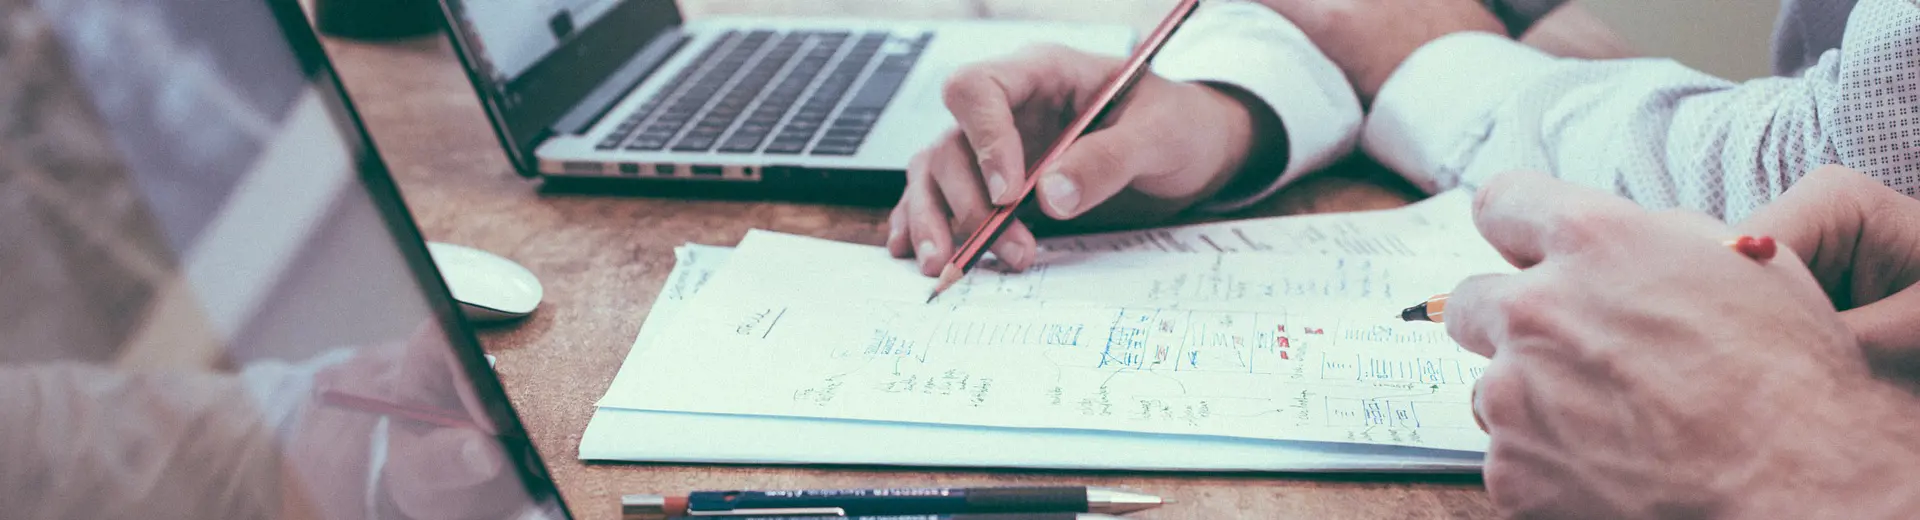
{"x":1466,"y":107}
{"x":87,"y":442}
{"x":1298,"y":107}
{"x":1856,"y":458}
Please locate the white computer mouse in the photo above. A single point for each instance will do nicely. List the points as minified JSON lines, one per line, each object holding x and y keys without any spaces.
{"x":488,"y":287}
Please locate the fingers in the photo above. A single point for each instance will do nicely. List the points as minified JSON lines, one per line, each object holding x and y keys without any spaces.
{"x":1473,"y":311}
{"x":982,"y":99}
{"x":898,"y":243}
{"x":1016,"y":247}
{"x":449,"y":474}
{"x":1820,"y":219}
{"x":1528,"y":215}
{"x":960,"y":185}
{"x":1090,"y":172}
{"x":926,"y":228}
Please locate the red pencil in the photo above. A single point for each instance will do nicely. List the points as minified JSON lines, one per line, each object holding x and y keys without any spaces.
{"x":1760,"y":249}
{"x":377,"y":406}
{"x":1110,"y":96}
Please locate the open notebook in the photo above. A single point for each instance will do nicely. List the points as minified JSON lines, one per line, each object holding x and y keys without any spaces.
{"x":1331,"y":258}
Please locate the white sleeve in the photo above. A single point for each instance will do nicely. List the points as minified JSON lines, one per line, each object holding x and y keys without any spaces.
{"x":1250,"y":47}
{"x":1468,"y":106}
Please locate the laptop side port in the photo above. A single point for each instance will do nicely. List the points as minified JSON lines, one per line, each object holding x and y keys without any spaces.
{"x":664,"y":170}
{"x":707,"y":170}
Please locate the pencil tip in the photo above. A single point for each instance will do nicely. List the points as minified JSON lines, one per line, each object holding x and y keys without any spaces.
{"x":948,"y":276}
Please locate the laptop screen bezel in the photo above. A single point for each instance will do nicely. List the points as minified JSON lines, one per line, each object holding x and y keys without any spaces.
{"x":373,"y":176}
{"x":524,"y":113}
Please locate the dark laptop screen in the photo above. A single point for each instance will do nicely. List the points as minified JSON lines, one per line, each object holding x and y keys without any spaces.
{"x":532,"y":61}
{"x":214,"y":304}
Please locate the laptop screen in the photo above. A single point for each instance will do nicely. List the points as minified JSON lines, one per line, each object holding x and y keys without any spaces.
{"x":215,"y":304}
{"x":534,"y":61}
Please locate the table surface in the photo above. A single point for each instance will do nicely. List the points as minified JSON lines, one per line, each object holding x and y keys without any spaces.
{"x":604,"y":259}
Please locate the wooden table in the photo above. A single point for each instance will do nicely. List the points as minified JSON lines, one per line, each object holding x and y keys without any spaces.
{"x":603,"y":260}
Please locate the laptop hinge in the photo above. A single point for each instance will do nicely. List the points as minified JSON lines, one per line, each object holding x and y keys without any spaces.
{"x":603,"y":98}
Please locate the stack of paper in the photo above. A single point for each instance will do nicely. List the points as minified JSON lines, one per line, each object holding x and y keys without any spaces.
{"x":1251,"y":345}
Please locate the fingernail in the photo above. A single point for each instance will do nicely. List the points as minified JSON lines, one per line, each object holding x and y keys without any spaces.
{"x":996,"y":187}
{"x":928,"y":250}
{"x":1015,"y":257}
{"x":1061,"y":193}
{"x":893,"y":231}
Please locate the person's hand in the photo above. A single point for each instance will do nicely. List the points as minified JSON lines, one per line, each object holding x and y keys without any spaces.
{"x":1641,"y":369}
{"x":1172,"y":145}
{"x":1369,"y":39}
{"x":431,"y":471}
{"x":1862,"y":241}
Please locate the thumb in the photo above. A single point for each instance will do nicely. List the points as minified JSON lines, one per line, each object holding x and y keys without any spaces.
{"x":1885,"y":331}
{"x":1091,"y":171}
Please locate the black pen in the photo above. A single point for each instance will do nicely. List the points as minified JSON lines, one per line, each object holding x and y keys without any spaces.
{"x":895,"y":501}
{"x":962,"y":516}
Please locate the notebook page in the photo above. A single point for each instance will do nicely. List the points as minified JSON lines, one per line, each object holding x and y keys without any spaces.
{"x":648,"y":436}
{"x":1295,"y":349}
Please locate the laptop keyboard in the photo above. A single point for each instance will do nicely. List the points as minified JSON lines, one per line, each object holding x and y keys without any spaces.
{"x":775,"y":92}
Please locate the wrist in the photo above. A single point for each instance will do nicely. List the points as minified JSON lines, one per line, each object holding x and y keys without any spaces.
{"x":1252,"y":151}
{"x":1862,"y":461}
{"x":1463,"y":17}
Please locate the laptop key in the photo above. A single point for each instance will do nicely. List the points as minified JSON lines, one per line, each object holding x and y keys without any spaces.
{"x":741,"y":144}
{"x":878,"y":90}
{"x":647,"y":144}
{"x":786,"y":146}
{"x":835,"y":148}
{"x":694,"y":144}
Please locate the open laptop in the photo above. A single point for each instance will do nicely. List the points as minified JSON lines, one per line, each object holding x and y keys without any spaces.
{"x":628,"y":95}
{"x":216,"y":304}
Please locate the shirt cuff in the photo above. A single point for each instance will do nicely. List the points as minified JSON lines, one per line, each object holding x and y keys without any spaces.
{"x":1248,"y":46}
{"x":1438,"y":106}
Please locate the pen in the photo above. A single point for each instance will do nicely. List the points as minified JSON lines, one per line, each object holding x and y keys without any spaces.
{"x":893,"y":501}
{"x":963,"y":516}
{"x":384,"y":407}
{"x":1111,"y":95}
{"x":1435,"y":309}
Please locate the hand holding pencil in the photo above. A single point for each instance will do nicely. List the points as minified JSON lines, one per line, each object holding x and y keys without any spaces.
{"x":1169,"y":146}
{"x":1632,"y":356}
{"x":1760,"y":249}
{"x":1065,"y":197}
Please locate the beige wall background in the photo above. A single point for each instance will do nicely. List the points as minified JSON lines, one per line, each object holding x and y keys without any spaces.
{"x":1727,"y":38}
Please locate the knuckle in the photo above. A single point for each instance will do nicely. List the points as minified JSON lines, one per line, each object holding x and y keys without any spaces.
{"x":1531,"y":310}
{"x":1051,"y":52}
{"x":917,"y":165}
{"x":1835,"y":175}
{"x":1583,"y":227}
{"x":965,"y":87}
{"x":1500,"y":398}
{"x":1493,"y":190}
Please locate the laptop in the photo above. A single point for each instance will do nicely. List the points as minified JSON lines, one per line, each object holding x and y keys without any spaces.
{"x":216,"y":303}
{"x":628,"y":95}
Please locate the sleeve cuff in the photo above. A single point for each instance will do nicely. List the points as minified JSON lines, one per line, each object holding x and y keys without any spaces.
{"x":1438,"y":106}
{"x":1248,"y":46}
